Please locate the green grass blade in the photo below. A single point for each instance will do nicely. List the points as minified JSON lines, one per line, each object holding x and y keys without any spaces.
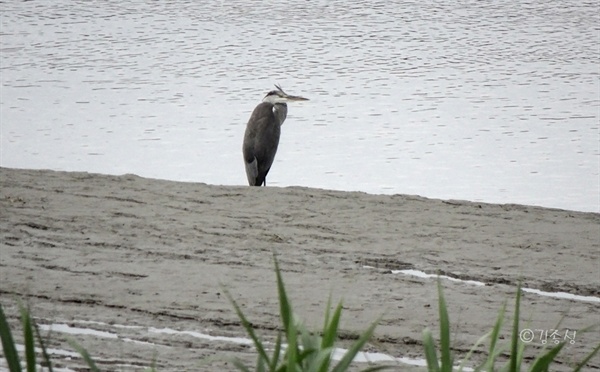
{"x":514,"y":343}
{"x":495,"y":336}
{"x":446,"y":352}
{"x":45,"y":354}
{"x":289,"y":324}
{"x":305,"y":358}
{"x":327,"y":314}
{"x":330,"y":334}
{"x":285,"y":308}
{"x":85,"y":355}
{"x":276,"y":353}
{"x":430,"y":353}
{"x":260,"y":365}
{"x":292,"y":352}
{"x":248,"y":327}
{"x":520,"y":354}
{"x":321,"y":360}
{"x":493,"y":351}
{"x":8,"y":345}
{"x":306,"y":347}
{"x":468,"y":356}
{"x":579,"y":366}
{"x":331,"y":330}
{"x":543,"y":362}
{"x":28,"y":339}
{"x":344,"y":363}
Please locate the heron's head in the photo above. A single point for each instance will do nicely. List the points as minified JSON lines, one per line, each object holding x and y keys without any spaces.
{"x":279,"y":96}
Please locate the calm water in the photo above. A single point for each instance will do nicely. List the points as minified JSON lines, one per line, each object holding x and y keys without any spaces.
{"x":485,"y":101}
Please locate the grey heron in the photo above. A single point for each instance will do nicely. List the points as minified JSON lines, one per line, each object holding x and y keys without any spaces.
{"x":262,"y":134}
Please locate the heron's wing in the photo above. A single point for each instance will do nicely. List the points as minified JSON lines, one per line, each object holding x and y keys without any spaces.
{"x":252,"y":172}
{"x":259,"y":124}
{"x":260,"y":143}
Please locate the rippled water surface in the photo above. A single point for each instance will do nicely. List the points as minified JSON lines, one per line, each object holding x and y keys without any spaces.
{"x":485,"y":101}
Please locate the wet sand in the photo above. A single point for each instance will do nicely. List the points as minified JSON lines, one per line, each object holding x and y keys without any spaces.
{"x":130,"y":256}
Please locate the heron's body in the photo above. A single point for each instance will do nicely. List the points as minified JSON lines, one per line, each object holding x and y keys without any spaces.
{"x":262,"y":139}
{"x":262,"y":135}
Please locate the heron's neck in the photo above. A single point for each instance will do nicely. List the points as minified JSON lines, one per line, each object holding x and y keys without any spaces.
{"x":280,"y":111}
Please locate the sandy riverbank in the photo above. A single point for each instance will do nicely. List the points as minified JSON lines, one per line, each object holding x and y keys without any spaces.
{"x":125,"y":250}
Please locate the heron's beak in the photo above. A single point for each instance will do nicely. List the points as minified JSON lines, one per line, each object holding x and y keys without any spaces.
{"x":295,"y":98}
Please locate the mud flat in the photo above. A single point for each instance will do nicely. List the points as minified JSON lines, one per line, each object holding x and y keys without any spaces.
{"x":133,"y":268}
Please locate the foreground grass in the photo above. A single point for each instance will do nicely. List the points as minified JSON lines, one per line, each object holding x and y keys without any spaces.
{"x":516,"y":347}
{"x":313,"y":351}
{"x":10,"y":349}
{"x":305,"y":351}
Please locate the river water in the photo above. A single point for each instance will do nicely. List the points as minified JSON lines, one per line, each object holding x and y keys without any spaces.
{"x":477,"y":100}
